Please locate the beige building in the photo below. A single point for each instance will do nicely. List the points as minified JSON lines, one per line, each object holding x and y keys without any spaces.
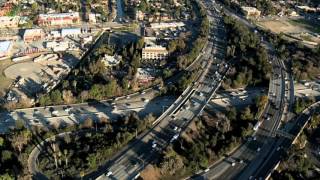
{"x":30,"y":35}
{"x":251,"y":12}
{"x":8,"y":21}
{"x":154,"y":52}
{"x":58,"y":19}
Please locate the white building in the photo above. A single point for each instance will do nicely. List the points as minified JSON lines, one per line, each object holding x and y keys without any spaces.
{"x":111,"y":60}
{"x":8,"y":21}
{"x":5,"y":48}
{"x":163,"y":25}
{"x":57,"y":46}
{"x":70,"y":32}
{"x":250,"y":12}
{"x":145,"y":75}
{"x":154,"y":52}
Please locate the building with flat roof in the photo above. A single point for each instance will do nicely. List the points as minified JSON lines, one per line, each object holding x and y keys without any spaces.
{"x":9,"y":22}
{"x":5,"y":47}
{"x":30,"y":35}
{"x":251,"y":12}
{"x":154,"y":52}
{"x":70,"y":32}
{"x":109,"y":61}
{"x":57,"y":46}
{"x":163,"y":25}
{"x":58,"y":19}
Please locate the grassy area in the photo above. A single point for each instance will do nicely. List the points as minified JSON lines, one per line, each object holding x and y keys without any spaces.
{"x":4,"y":81}
{"x":305,"y":24}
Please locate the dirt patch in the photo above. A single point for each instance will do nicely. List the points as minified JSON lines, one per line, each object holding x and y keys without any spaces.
{"x":150,"y":173}
{"x":279,"y":26}
{"x":4,"y":81}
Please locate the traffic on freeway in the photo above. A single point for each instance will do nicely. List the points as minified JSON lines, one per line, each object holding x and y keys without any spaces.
{"x":168,"y":127}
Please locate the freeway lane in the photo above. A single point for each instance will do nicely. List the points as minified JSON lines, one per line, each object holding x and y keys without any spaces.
{"x":255,"y":150}
{"x":275,"y":156}
{"x":189,"y":104}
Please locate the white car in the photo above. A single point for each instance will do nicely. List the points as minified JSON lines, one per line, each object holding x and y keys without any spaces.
{"x":154,"y":145}
{"x":258,"y":150}
{"x":206,"y":170}
{"x":109,"y":173}
{"x":175,"y":128}
{"x":55,"y":112}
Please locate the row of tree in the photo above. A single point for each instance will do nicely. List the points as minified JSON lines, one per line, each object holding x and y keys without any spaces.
{"x":250,"y":59}
{"x":85,"y":150}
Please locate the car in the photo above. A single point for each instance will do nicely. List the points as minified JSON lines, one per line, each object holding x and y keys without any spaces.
{"x":108,"y":174}
{"x":268,"y":118}
{"x":67,"y":110}
{"x":206,"y":170}
{"x":146,"y":100}
{"x":55,"y":112}
{"x":258,"y":150}
{"x":254,"y":138}
{"x":127,"y":97}
{"x":176,"y":136}
{"x":278,"y":148}
{"x":143,"y":92}
{"x":241,"y":161}
{"x":233,"y":163}
{"x":154,"y":145}
{"x":175,"y":128}
{"x":172,"y":139}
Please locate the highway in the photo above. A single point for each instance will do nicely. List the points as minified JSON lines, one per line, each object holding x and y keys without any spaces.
{"x":244,"y":160}
{"x":129,"y":163}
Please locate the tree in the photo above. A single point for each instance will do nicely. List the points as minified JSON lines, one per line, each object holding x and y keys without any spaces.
{"x":246,"y":114}
{"x":171,"y":162}
{"x":20,"y":139}
{"x":56,"y":97}
{"x":1,"y":141}
{"x":232,"y":114}
{"x":67,"y":96}
{"x":140,"y":43}
{"x":5,"y":155}
{"x":84,"y":96}
{"x":92,"y":161}
{"x":87,"y":123}
{"x":44,"y":100}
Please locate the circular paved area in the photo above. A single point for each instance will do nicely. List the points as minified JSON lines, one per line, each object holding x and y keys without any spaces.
{"x":27,"y":70}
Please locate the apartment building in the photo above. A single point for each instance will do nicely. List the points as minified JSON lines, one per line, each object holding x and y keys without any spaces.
{"x":30,"y":35}
{"x":154,"y":52}
{"x":58,"y":19}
